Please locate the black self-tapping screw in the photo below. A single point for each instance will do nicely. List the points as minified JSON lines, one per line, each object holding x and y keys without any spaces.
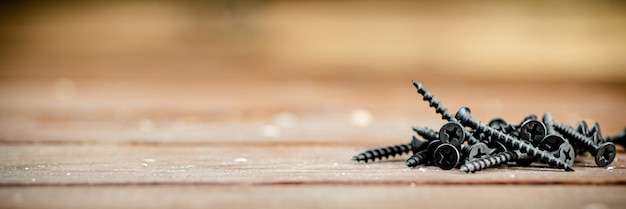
{"x":604,"y":153}
{"x":500,"y":125}
{"x":423,"y":156}
{"x":532,"y":131}
{"x":548,"y":121}
{"x":492,"y":161}
{"x":426,"y":133}
{"x":433,"y":102}
{"x":476,"y":151}
{"x":484,"y":151}
{"x":391,"y":151}
{"x":452,"y":133}
{"x":557,"y":145}
{"x":463,"y":115}
{"x":473,"y":152}
{"x":583,"y":129}
{"x":443,"y":111}
{"x":418,"y":158}
{"x":383,"y":152}
{"x":447,"y":156}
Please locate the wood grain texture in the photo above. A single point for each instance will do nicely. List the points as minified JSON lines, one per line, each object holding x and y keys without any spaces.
{"x":159,"y":143}
{"x":314,"y":196}
{"x":262,"y":104}
{"x":34,"y":165}
{"x":196,"y":111}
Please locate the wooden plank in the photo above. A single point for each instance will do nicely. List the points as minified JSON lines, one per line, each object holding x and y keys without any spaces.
{"x":258,"y":165}
{"x":329,"y":196}
{"x":247,"y":111}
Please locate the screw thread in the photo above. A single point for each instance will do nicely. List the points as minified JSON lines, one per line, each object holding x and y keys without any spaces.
{"x":490,"y":161}
{"x":464,"y":117}
{"x":440,"y":109}
{"x":595,"y":131}
{"x":426,"y":133}
{"x":385,"y":152}
{"x":433,"y":102}
{"x":577,"y":137}
{"x":583,"y":128}
{"x":418,"y":158}
{"x":549,"y":122}
{"x":509,"y":128}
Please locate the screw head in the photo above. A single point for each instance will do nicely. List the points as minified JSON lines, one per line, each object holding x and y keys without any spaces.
{"x":551,"y":143}
{"x":567,"y":153}
{"x":496,"y":147}
{"x":533,"y":131}
{"x":605,"y":154}
{"x":452,"y":133}
{"x":463,"y":114}
{"x":432,"y":146}
{"x":498,"y":123}
{"x":447,"y":156}
{"x":477,"y":151}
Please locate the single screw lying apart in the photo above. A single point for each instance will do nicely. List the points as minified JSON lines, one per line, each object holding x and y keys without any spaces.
{"x":604,"y":153}
{"x":464,"y":116}
{"x":385,"y":152}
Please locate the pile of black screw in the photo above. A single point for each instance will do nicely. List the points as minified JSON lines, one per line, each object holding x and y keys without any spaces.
{"x":465,"y":143}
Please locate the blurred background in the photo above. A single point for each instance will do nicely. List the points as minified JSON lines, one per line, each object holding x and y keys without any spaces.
{"x":300,"y":71}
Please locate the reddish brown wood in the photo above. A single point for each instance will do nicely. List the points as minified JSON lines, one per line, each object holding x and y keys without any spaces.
{"x":314,"y":196}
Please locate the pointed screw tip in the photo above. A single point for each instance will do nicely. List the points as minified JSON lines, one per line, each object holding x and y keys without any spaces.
{"x":416,"y":84}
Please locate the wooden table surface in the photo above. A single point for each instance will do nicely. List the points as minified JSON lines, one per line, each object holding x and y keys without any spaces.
{"x":245,"y":143}
{"x":262,"y":104}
